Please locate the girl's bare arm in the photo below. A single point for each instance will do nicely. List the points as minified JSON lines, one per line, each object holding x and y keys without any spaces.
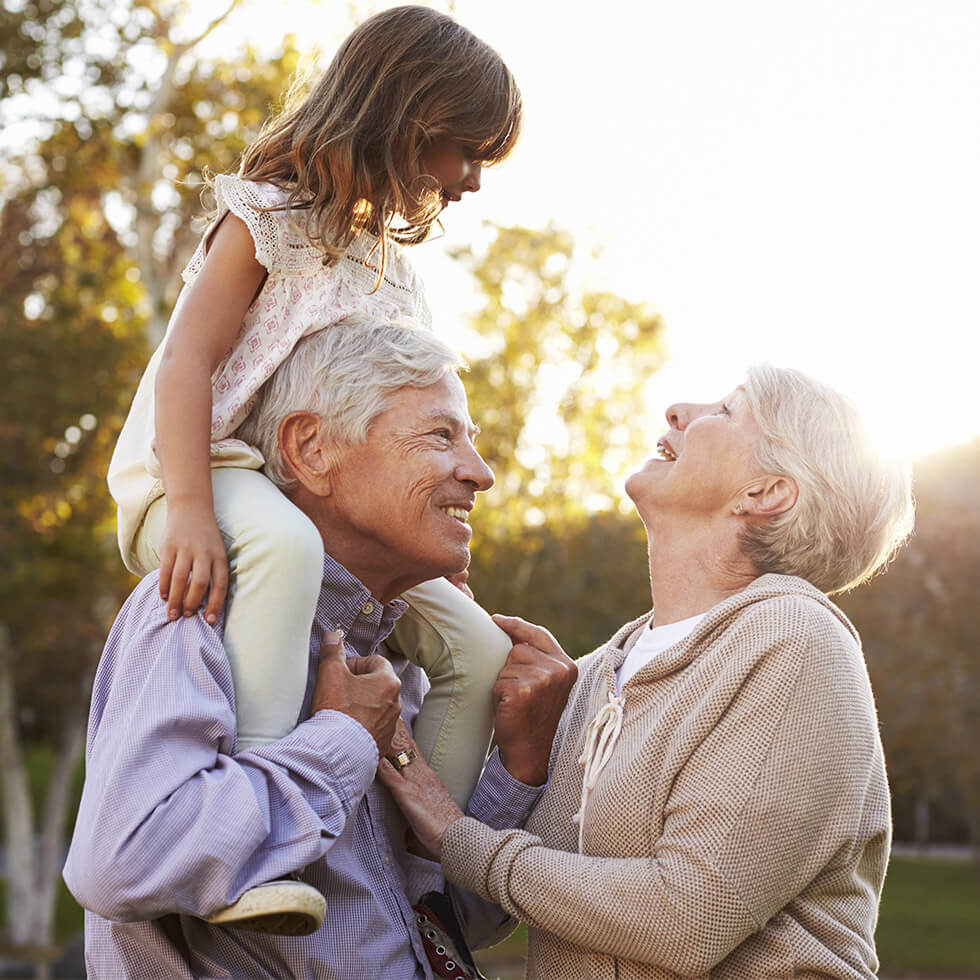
{"x":192,"y":554}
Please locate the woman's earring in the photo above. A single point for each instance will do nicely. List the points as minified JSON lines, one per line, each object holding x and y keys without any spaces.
{"x":738,"y":508}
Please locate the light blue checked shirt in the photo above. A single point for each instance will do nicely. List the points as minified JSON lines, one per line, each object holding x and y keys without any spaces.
{"x":173,"y":824}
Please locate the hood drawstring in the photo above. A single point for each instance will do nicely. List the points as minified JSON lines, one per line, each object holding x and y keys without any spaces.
{"x":600,"y":739}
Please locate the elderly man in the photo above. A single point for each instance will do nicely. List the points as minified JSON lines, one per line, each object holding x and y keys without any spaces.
{"x":173,"y":824}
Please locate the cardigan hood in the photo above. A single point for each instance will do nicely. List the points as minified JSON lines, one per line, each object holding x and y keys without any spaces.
{"x":719,"y":617}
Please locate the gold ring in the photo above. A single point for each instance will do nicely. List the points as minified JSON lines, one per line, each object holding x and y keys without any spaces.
{"x":401,"y":759}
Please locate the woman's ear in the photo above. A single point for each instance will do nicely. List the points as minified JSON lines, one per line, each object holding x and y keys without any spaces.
{"x":771,"y":495}
{"x":305,"y":452}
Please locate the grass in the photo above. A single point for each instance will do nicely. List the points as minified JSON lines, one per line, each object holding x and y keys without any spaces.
{"x":929,"y":924}
{"x":930,"y":919}
{"x":505,"y":960}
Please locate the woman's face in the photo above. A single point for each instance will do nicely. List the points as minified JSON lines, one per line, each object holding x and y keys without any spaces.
{"x":706,"y":461}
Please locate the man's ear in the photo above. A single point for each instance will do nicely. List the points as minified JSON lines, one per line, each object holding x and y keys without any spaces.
{"x":304,"y":451}
{"x":770,"y":495}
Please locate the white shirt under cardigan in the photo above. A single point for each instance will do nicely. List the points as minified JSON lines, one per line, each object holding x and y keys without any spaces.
{"x":653,"y":640}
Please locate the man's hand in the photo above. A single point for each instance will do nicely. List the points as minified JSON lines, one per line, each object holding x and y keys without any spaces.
{"x":365,"y":688}
{"x":529,"y":697}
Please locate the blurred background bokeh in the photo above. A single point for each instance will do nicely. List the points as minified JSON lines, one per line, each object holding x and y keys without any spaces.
{"x":701,"y":186}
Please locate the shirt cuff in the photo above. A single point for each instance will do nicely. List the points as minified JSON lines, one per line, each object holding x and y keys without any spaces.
{"x":500,"y":801}
{"x":333,"y":755}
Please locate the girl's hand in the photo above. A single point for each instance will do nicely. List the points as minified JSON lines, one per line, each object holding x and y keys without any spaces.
{"x":192,"y":556}
{"x":419,"y":793}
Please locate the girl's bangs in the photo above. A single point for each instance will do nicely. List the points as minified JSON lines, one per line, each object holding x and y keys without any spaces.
{"x":495,"y":126}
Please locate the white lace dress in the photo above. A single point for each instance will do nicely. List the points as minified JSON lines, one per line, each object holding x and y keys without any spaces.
{"x":300,"y":296}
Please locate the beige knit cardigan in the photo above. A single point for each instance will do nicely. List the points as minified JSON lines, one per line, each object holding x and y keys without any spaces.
{"x":741,"y":828}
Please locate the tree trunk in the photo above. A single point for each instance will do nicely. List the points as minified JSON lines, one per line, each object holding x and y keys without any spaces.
{"x":18,"y":810}
{"x":70,"y":746}
{"x":156,"y":272}
{"x":922,"y":819}
{"x":33,"y":868}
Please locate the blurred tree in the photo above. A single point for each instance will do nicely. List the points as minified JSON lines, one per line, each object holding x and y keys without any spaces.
{"x":558,"y":390}
{"x":921,"y":632}
{"x":115,"y":122}
{"x":66,"y":359}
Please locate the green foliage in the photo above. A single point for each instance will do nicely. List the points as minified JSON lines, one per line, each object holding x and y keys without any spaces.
{"x":97,"y":218}
{"x":69,"y":359}
{"x":558,"y":391}
{"x":582,"y":578}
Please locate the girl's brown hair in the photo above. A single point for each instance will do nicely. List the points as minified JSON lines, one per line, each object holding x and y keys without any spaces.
{"x":351,"y":152}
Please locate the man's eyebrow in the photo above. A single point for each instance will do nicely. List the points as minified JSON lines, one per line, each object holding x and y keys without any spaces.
{"x":455,"y":421}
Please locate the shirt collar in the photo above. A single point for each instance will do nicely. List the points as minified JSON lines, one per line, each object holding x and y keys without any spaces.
{"x":346,"y":604}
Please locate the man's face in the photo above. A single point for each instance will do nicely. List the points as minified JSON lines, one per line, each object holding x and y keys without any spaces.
{"x":400,"y":502}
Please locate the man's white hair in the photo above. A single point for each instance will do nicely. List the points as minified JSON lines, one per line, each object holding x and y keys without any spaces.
{"x":855,"y":505}
{"x":346,"y":374}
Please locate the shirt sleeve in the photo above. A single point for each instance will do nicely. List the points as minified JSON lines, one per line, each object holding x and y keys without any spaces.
{"x":499,"y":801}
{"x":731,"y":853}
{"x":153,"y":834}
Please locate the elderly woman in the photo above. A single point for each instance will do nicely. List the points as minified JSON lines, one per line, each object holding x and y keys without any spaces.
{"x":716,"y":802}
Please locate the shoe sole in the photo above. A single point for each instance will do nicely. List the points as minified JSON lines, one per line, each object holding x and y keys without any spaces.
{"x":286,"y":909}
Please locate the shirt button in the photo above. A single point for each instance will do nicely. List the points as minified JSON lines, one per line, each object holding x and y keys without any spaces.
{"x":367,"y":608}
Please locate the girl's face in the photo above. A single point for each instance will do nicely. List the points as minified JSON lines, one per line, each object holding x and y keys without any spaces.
{"x":449,"y":163}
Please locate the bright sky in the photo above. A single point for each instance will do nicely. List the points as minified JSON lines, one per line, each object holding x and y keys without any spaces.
{"x":786,"y":181}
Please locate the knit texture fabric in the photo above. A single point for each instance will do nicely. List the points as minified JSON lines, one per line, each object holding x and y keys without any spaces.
{"x":741,"y":827}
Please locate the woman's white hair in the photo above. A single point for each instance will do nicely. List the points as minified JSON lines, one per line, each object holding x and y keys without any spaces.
{"x":854,"y":508}
{"x":345,"y":373}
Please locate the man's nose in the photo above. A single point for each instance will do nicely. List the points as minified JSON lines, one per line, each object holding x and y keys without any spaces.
{"x":472,"y":468}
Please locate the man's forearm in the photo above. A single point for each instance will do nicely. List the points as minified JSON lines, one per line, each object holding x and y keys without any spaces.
{"x":169,"y":820}
{"x":237,"y":823}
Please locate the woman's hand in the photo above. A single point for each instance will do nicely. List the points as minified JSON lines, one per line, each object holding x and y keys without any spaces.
{"x":419,"y":793}
{"x":529,"y":698}
{"x":192,"y":557}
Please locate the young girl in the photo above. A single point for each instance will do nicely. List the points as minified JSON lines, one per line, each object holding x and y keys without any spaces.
{"x":399,"y":126}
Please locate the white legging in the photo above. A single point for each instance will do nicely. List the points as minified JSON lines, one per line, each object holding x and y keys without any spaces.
{"x":275,"y":557}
